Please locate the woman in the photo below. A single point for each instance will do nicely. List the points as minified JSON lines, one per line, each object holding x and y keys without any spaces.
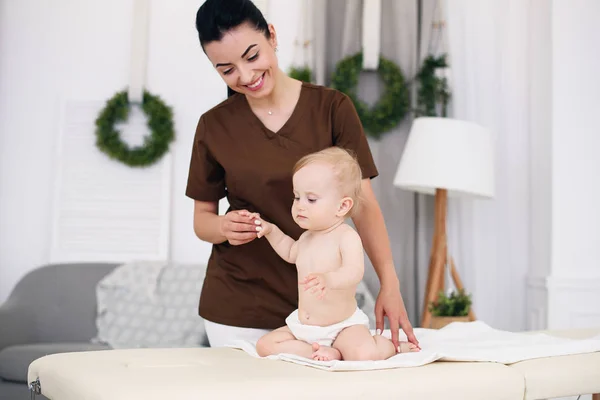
{"x":245,"y":148}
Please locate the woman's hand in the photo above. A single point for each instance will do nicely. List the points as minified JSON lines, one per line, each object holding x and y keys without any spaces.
{"x":238,"y":227}
{"x":390,"y":304}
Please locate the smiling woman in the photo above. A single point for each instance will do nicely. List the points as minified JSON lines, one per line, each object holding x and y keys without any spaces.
{"x":245,"y":148}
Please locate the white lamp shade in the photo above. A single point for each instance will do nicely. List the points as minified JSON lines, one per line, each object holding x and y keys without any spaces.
{"x":444,"y":153}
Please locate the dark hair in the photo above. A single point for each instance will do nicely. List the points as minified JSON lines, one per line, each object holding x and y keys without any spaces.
{"x":215,"y":17}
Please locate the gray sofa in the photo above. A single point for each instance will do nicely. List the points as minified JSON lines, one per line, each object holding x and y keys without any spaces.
{"x":51,"y":310}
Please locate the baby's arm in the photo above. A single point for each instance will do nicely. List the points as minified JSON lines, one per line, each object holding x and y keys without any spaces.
{"x":353,"y":264}
{"x":285,"y":246}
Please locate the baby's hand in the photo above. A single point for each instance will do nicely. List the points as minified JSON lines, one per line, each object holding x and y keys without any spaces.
{"x":262,"y":227}
{"x":317,"y":283}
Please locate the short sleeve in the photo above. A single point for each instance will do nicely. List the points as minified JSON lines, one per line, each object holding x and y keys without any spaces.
{"x":206,"y":178}
{"x":349,"y":134}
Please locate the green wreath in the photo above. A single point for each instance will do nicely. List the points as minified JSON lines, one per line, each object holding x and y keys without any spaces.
{"x":160,"y":122}
{"x":392,"y":106}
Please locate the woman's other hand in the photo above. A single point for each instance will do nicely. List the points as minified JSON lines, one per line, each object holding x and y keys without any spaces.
{"x":390,"y":304}
{"x":238,"y":227}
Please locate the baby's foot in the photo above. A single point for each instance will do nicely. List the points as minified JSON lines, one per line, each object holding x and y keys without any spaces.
{"x":325,"y":353}
{"x":407,"y":347}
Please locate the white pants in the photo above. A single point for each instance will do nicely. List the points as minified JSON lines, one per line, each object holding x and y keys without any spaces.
{"x":221,"y":335}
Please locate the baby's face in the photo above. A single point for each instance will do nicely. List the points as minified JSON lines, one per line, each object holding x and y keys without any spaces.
{"x":316,"y":197}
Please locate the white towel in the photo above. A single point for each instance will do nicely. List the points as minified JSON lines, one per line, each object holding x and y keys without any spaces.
{"x":459,"y":341}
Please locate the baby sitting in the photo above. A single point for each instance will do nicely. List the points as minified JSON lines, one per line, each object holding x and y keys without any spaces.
{"x":328,"y":325}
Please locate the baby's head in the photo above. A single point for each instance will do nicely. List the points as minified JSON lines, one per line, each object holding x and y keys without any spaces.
{"x":327,"y":188}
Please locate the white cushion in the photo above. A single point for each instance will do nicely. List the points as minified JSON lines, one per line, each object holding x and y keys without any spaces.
{"x":151,"y":304}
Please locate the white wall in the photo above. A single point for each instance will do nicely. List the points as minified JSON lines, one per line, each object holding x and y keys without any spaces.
{"x":67,"y":49}
{"x":574,"y":283}
{"x":576,"y":138}
{"x":50,"y":51}
{"x":564,"y":283}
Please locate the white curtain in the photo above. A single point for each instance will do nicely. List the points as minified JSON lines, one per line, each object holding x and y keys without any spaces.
{"x":487,"y":46}
{"x":489,"y":59}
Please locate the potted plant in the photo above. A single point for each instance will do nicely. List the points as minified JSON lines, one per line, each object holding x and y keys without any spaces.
{"x":450,"y":308}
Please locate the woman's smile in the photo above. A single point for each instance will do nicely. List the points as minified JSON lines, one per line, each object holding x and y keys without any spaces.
{"x":257,"y":84}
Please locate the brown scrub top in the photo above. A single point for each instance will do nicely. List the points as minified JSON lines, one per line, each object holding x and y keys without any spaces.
{"x":235,"y":155}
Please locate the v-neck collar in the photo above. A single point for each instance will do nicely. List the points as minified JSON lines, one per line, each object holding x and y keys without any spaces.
{"x":291,"y":122}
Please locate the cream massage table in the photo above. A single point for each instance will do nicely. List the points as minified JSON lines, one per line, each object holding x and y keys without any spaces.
{"x":227,"y":373}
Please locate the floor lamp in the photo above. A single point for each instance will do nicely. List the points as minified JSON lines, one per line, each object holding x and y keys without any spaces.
{"x":447,"y":158}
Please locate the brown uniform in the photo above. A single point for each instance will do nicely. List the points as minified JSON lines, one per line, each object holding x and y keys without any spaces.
{"x":235,"y":155}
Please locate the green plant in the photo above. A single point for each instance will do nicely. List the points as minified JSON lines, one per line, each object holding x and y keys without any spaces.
{"x":457,"y":304}
{"x":301,"y":73}
{"x":432,"y":89}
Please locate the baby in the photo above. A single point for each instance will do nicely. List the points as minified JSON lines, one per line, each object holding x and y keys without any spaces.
{"x":329,"y":258}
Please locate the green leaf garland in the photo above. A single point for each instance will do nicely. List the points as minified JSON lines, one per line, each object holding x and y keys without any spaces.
{"x":433,"y":90}
{"x":392,"y":106}
{"x":160,"y":123}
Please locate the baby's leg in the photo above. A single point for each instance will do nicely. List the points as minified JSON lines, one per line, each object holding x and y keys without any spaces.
{"x":282,"y":341}
{"x":357,"y":344}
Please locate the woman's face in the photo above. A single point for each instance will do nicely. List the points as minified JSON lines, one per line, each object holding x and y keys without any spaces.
{"x":246,"y":60}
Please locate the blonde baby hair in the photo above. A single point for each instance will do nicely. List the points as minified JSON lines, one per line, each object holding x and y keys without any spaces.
{"x":346,"y":170}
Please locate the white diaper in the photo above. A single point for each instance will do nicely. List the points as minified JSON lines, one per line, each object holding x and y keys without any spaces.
{"x":324,"y":335}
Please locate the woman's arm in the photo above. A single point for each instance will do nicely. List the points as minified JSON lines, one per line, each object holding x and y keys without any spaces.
{"x":207,"y":224}
{"x":370,"y":225}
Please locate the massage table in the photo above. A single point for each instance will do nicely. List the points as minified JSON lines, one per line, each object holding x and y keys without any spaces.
{"x":224,"y":373}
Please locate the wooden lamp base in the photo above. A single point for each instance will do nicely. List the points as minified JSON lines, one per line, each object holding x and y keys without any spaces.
{"x":439,"y":258}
